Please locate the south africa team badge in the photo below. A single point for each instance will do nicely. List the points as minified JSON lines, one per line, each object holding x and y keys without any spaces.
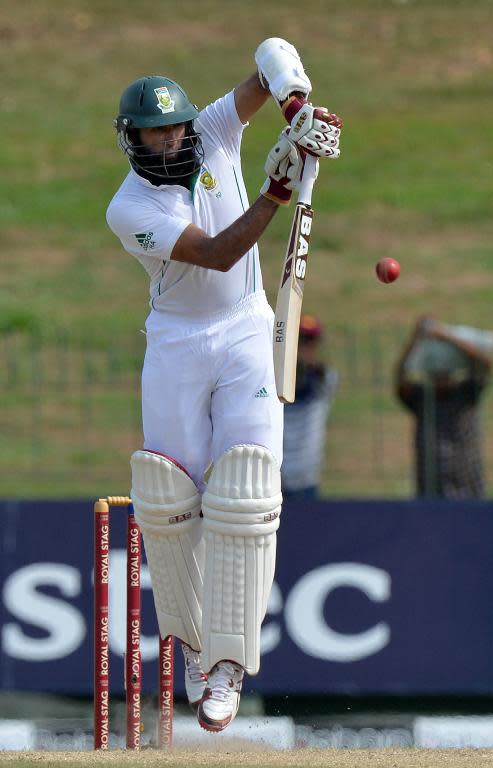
{"x":164,"y":100}
{"x":208,"y":180}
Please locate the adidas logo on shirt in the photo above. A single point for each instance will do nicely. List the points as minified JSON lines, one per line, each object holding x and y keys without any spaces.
{"x":144,"y":240}
{"x":262,"y":392}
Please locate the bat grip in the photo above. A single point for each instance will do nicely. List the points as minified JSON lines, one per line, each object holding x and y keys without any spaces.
{"x":308,"y":180}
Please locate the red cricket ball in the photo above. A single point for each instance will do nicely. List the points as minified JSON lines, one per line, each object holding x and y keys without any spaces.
{"x":387,"y":270}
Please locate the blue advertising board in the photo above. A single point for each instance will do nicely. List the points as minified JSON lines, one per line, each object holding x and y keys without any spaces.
{"x":370,"y":597}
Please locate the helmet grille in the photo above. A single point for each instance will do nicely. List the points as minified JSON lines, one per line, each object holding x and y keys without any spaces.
{"x":169,"y":164}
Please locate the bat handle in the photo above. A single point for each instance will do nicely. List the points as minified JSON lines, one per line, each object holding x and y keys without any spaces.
{"x":308,"y":180}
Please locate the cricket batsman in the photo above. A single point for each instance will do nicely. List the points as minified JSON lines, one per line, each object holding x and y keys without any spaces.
{"x":209,"y":401}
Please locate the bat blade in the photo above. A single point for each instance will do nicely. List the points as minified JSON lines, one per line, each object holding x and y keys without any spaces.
{"x":289,"y":302}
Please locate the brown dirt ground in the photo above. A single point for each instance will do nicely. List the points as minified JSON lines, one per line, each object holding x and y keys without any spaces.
{"x":311,"y":758}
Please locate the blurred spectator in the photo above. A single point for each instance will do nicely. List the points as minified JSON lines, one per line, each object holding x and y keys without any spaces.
{"x":305,"y":420}
{"x":440,"y":378}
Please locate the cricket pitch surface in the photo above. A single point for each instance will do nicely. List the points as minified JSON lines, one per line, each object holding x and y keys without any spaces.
{"x":240,"y":755}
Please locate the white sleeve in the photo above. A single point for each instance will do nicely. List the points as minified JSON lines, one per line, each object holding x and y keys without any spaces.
{"x":221,"y":126}
{"x":144,"y":232}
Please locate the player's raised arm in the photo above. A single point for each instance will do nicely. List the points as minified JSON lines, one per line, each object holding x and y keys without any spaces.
{"x":250,"y":96}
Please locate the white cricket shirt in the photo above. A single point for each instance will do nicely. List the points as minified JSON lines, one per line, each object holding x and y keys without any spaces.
{"x":149,"y":220}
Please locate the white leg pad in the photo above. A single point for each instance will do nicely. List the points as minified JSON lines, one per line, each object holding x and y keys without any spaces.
{"x":241,"y":508}
{"x":167,"y":508}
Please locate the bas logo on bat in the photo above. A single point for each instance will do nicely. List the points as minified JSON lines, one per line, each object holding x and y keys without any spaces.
{"x":303,"y":242}
{"x":280,"y":330}
{"x":303,"y":232}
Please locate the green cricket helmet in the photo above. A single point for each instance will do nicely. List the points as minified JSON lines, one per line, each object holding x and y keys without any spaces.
{"x":153,"y":102}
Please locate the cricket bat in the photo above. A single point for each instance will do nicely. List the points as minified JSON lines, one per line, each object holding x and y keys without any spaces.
{"x":290,"y":293}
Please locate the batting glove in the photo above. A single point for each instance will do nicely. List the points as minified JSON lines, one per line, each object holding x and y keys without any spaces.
{"x":283,"y":166}
{"x":313,"y":129}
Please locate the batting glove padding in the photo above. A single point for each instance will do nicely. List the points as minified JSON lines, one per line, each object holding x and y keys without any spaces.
{"x":283,"y":166}
{"x":313,"y":129}
{"x":280,"y":68}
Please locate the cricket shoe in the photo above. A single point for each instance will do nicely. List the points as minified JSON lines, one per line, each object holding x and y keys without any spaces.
{"x":195,"y":677}
{"x":221,"y":697}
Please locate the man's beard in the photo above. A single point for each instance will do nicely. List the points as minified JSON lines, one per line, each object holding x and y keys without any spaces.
{"x":169,"y":168}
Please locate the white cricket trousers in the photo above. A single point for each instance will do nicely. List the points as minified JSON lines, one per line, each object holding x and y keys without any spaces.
{"x":209,"y":384}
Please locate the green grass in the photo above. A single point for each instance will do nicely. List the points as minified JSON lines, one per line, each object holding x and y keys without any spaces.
{"x":412,"y":82}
